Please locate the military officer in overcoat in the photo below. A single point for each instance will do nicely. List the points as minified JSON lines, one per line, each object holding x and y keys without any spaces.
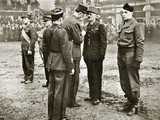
{"x":95,"y":43}
{"x":130,"y":54}
{"x":74,"y":29}
{"x":59,"y":65}
{"x":28,"y":39}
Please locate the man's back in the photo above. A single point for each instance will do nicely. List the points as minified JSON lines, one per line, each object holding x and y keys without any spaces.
{"x":59,"y":49}
{"x":73,"y":28}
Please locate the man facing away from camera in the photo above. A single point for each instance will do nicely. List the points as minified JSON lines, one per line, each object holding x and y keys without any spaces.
{"x":130,"y":54}
{"x":59,"y":65}
{"x":73,"y":26}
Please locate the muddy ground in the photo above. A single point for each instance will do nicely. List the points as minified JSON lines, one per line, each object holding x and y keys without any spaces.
{"x":29,"y":101}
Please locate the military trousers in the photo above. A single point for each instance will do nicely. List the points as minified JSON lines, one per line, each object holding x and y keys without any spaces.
{"x":94,"y":71}
{"x":28,"y":65}
{"x":74,"y":83}
{"x":57,"y":95}
{"x":129,"y":74}
{"x":45,"y":58}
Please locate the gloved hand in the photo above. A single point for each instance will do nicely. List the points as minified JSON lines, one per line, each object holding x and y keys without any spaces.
{"x":29,"y":52}
{"x":72,"y":72}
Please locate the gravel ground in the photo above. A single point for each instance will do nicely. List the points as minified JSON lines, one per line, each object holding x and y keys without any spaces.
{"x":29,"y":102}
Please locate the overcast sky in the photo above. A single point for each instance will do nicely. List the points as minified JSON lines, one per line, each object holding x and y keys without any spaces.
{"x":46,"y":4}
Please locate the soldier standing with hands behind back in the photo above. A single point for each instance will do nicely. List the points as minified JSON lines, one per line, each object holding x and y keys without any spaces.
{"x":130,"y":54}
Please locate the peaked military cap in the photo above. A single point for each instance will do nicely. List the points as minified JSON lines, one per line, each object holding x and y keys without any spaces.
{"x":93,"y":10}
{"x":56,"y":14}
{"x":81,"y":8}
{"x":46,"y":17}
{"x":128,"y":7}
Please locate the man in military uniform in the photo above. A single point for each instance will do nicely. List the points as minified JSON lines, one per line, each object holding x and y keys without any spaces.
{"x":94,"y":49}
{"x":73,"y":26}
{"x":44,"y":41}
{"x":59,"y":65}
{"x":130,"y":54}
{"x":28,"y":38}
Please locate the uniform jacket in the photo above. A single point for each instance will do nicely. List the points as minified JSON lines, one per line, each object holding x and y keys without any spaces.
{"x":95,"y":41}
{"x":30,"y":31}
{"x":45,"y":40}
{"x":60,"y":57}
{"x":131,"y":35}
{"x":73,"y":28}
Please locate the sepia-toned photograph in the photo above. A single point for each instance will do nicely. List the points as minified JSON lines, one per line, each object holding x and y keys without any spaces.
{"x":80,"y":60}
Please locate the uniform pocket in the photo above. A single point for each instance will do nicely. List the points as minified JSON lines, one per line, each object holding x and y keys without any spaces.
{"x":129,"y":34}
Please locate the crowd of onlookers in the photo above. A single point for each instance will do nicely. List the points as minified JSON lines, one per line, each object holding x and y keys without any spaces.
{"x":10,"y":28}
{"x":17,"y":4}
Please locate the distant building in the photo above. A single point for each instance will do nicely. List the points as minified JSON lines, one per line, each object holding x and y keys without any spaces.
{"x":18,"y":4}
{"x":68,"y":5}
{"x":147,"y":11}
